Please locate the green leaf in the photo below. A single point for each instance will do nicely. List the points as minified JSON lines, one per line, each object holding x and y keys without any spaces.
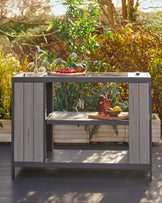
{"x":31,"y":65}
{"x":50,"y":26}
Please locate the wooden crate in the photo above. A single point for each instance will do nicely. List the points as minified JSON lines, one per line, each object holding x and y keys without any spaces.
{"x":106,"y":133}
{"x":70,"y":134}
{"x":156,"y":128}
{"x":78,"y":134}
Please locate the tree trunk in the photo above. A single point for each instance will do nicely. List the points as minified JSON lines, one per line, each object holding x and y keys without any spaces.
{"x":130,"y":9}
{"x":124,"y":11}
{"x":108,"y":10}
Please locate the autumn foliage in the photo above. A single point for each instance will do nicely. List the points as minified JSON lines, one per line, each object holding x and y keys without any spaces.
{"x":131,"y":49}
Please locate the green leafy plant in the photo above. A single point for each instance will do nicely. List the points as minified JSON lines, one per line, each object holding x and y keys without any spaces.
{"x":1,"y":116}
{"x":90,"y":99}
{"x":92,"y":130}
{"x":9,"y":66}
{"x":2,"y":112}
{"x":78,"y":26}
{"x":66,"y":96}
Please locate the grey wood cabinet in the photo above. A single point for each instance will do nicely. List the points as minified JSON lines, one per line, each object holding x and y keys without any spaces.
{"x":28,"y":122}
{"x":139,"y":117}
{"x":33,"y":118}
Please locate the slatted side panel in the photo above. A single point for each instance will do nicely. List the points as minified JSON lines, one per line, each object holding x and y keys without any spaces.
{"x":134,"y":134}
{"x":18,"y":122}
{"x":38,"y":144}
{"x":144,"y":122}
{"x":28,"y":122}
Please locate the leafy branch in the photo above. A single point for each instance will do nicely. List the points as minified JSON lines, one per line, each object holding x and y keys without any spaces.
{"x":11,"y":20}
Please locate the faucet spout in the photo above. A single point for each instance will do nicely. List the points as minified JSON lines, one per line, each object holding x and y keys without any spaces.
{"x":37,"y":50}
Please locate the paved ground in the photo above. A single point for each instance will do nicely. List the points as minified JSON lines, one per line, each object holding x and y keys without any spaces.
{"x":79,"y":186}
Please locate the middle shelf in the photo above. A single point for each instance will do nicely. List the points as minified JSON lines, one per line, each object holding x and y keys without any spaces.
{"x":80,"y":118}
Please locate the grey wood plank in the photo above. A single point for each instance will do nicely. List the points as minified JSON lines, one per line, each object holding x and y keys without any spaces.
{"x":38,"y":123}
{"x":28,"y":122}
{"x":67,"y":115}
{"x":80,"y":118}
{"x":88,"y":156}
{"x":18,"y":121}
{"x":134,"y":136}
{"x":144,"y":122}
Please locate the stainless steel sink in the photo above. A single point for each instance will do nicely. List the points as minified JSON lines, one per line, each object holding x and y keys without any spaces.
{"x":31,"y":74}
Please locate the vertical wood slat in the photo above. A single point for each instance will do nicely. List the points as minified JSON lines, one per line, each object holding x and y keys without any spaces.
{"x":18,"y":122}
{"x":144,"y":123}
{"x":38,"y":123}
{"x":134,"y":134}
{"x":28,"y":122}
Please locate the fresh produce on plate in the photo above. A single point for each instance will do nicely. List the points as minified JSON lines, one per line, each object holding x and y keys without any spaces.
{"x":116,"y":108}
{"x":65,"y":70}
{"x":115,"y":111}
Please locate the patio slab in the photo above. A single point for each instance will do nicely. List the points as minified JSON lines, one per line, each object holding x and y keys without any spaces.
{"x":79,"y":185}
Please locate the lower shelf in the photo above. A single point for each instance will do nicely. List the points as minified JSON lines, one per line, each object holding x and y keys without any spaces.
{"x":88,"y":156}
{"x":86,"y":159}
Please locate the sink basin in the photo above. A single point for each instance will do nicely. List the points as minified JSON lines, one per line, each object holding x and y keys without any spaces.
{"x":31,"y":74}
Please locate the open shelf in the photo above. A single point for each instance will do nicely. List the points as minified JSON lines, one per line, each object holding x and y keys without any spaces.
{"x":88,"y":156}
{"x":81,"y":118}
{"x":86,"y":159}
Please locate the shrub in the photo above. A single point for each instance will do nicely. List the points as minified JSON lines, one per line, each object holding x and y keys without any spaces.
{"x":9,"y":66}
{"x":130,"y":49}
{"x":152,"y":22}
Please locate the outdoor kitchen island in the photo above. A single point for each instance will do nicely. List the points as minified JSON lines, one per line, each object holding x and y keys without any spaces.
{"x":33,"y":118}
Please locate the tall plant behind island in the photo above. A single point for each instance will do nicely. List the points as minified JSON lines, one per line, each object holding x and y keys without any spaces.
{"x":76,"y":29}
{"x":78,"y":32}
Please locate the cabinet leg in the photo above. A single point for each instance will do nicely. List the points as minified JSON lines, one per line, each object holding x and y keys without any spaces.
{"x":150,"y":175}
{"x":13,"y":172}
{"x":49,"y":105}
{"x":49,"y":137}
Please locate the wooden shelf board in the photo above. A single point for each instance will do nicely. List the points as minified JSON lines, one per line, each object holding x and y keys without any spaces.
{"x":58,"y":117}
{"x":88,"y":156}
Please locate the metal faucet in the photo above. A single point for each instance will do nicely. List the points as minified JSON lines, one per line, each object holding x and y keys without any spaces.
{"x":37,"y":50}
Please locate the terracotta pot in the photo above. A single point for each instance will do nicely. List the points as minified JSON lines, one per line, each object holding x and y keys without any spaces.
{"x":103,"y":106}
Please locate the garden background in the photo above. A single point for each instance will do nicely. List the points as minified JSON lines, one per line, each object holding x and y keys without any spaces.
{"x":104,"y":35}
